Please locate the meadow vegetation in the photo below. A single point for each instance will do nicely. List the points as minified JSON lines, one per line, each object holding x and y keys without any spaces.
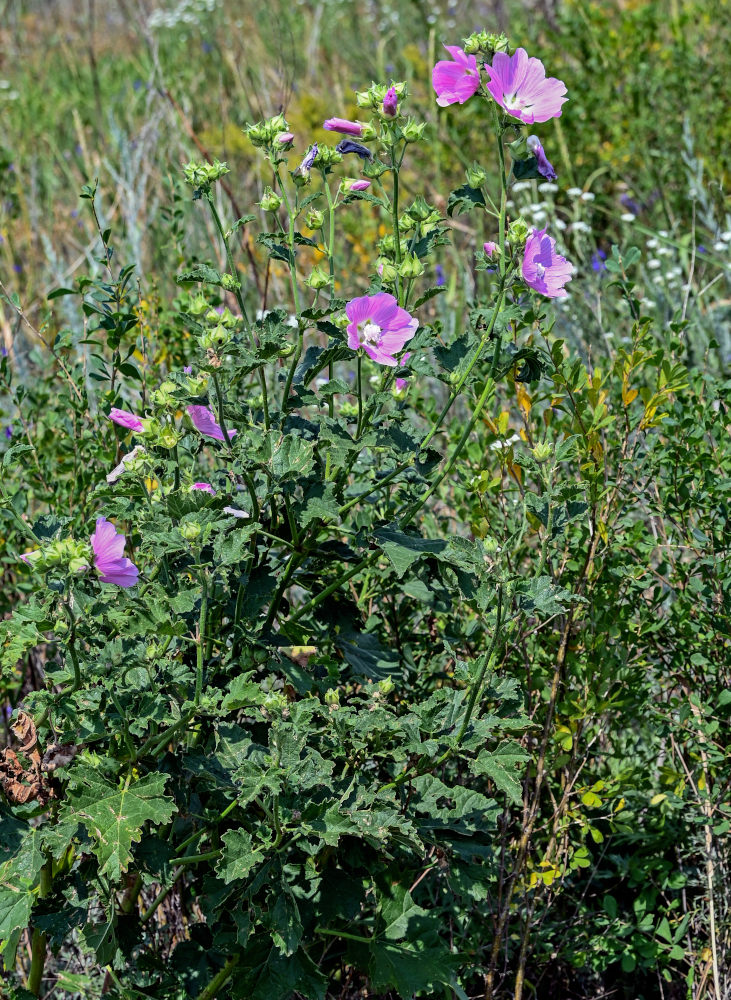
{"x":364,"y":500}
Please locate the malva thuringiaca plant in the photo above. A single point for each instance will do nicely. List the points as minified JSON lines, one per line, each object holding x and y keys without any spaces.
{"x":274,"y":689}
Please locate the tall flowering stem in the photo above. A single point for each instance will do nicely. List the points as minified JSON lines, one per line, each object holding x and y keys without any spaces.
{"x":331,"y":262}
{"x":239,"y":298}
{"x":291,"y":215}
{"x":394,"y":215}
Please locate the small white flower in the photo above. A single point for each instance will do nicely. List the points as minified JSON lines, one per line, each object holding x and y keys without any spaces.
{"x":651,"y":244}
{"x":664,"y":251}
{"x":521,"y":186}
{"x":504,"y":445}
{"x":609,"y":335}
{"x":653,"y":263}
{"x":580,"y":227}
{"x":559,"y":223}
{"x":588,"y":196}
{"x":548,"y":187}
{"x":648,"y":303}
{"x":720,"y":247}
{"x":664,"y":233}
{"x":726,"y":236}
{"x":574,"y":192}
{"x":627,"y":217}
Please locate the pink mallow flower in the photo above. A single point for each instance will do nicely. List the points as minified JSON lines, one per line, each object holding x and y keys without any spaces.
{"x":205,"y":421}
{"x":518,"y":83}
{"x":390,"y":102}
{"x":204,"y":488}
{"x":543,"y":269}
{"x":455,"y":82}
{"x":125,"y":419}
{"x":490,"y":248}
{"x":380,"y":326}
{"x":344,"y":126}
{"x":109,"y":561}
{"x":360,"y":185}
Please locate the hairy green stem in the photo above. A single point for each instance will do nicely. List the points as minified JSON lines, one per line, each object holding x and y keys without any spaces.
{"x":201,"y":634}
{"x":211,"y":991}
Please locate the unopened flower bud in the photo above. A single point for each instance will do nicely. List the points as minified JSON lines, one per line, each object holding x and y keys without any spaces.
{"x":190,"y":530}
{"x":386,"y":269}
{"x":318,"y":278}
{"x":284,"y":139}
{"x":518,"y":232}
{"x":230,"y":283}
{"x":386,"y":686}
{"x":270,"y":200}
{"x":314,"y":219}
{"x":168,"y":437}
{"x":476,"y":175}
{"x":542,"y":451}
{"x":414,"y":131}
{"x":332,"y":697}
{"x":411,"y":266}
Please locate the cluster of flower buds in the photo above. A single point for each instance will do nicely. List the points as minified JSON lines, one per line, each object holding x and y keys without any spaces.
{"x":200,"y":176}
{"x":420,"y":213}
{"x":384,"y":100}
{"x":272,"y":134}
{"x":485,"y":43}
{"x":62,"y":553}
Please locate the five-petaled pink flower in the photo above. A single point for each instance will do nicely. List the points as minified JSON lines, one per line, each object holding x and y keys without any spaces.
{"x":204,"y":488}
{"x":543,"y":269}
{"x":205,"y":421}
{"x":455,"y":82}
{"x":109,"y":561}
{"x":518,"y":83}
{"x":126,"y":419}
{"x":344,"y":126}
{"x":380,"y":326}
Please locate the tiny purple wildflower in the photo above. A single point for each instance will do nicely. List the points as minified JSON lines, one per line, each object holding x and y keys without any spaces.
{"x":597,"y":261}
{"x":518,"y":84}
{"x":188,"y":370}
{"x":439,"y":276}
{"x":8,"y":432}
{"x":380,"y":326}
{"x":456,"y":81}
{"x":390,"y":103}
{"x":543,"y":269}
{"x":402,"y":383}
{"x":109,"y":561}
{"x":344,"y":126}
{"x":545,"y":168}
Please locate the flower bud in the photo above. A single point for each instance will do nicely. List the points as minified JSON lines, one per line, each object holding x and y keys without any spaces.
{"x":411,"y":266}
{"x":414,"y":131}
{"x":519,"y":149}
{"x":61,"y":627}
{"x":215,"y":339}
{"x":348,"y":410}
{"x":190,"y":530}
{"x":284,"y":139}
{"x":230,"y":283}
{"x":164,"y":395}
{"x":198,"y":305}
{"x":332,"y":697}
{"x":476,"y":175}
{"x":318,"y":278}
{"x":386,"y":686}
{"x":314,"y":219}
{"x":386,"y":269}
{"x":542,"y":451}
{"x":518,"y":232}
{"x":168,"y":437}
{"x":270,"y":201}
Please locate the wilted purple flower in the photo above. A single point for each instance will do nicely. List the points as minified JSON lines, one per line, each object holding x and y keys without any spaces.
{"x":380,"y":326}
{"x":455,"y":82}
{"x":235,"y":512}
{"x":518,"y":83}
{"x":543,"y":269}
{"x":344,"y":126}
{"x":348,"y":146}
{"x":597,"y":261}
{"x":205,"y":421}
{"x":109,"y":561}
{"x":402,"y":383}
{"x":545,"y":168}
{"x":204,"y":488}
{"x":439,"y":276}
{"x":390,"y":102}
{"x":126,"y":419}
{"x":118,"y":470}
{"x":306,"y":165}
{"x":360,"y":185}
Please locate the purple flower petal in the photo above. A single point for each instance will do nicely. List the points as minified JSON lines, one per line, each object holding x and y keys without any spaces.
{"x":109,"y":561}
{"x":543,"y":269}
{"x":344,"y":126}
{"x":379,"y":326}
{"x":126,"y":419}
{"x":205,"y":421}
{"x":455,"y":82}
{"x":518,"y":84}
